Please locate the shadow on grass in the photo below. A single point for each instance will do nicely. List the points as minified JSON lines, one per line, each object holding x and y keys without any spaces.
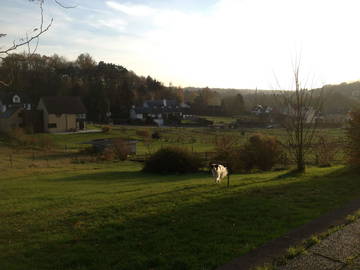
{"x":43,"y":156}
{"x":135,"y":177}
{"x":169,"y":232}
{"x":290,"y":174}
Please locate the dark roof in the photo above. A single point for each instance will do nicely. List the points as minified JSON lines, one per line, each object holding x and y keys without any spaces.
{"x":6,"y":97}
{"x":9,"y":112}
{"x":160,"y":103}
{"x":158,"y":110}
{"x":64,"y":104}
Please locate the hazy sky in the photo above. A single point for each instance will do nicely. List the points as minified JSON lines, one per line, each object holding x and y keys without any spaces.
{"x":215,"y":43}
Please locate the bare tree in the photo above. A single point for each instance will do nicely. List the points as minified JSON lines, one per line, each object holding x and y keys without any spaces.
{"x":301,"y":109}
{"x":28,"y":40}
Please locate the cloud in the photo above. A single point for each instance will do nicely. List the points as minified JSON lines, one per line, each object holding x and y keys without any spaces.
{"x":131,"y":9}
{"x":232,"y":43}
{"x":116,"y":24}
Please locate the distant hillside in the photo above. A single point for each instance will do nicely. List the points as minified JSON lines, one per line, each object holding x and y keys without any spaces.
{"x":233,"y":91}
{"x":350,"y":90}
{"x":341,"y":98}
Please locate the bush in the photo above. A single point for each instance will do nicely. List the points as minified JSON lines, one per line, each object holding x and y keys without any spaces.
{"x":230,"y":158}
{"x":45,"y":142}
{"x":17,"y":137}
{"x":259,"y":152}
{"x":156,"y":135}
{"x":325,"y":151}
{"x":106,"y":129}
{"x":173,"y":160}
{"x":107,"y":155}
{"x":143,"y":133}
{"x":121,"y":148}
{"x":353,"y":133}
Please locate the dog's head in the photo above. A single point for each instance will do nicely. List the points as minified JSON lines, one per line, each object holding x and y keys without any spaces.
{"x":214,"y":166}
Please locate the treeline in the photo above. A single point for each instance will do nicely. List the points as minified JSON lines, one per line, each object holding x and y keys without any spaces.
{"x":106,"y":87}
{"x":103,"y":87}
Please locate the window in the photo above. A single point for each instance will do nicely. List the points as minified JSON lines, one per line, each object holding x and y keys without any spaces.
{"x":16,"y":99}
{"x":52,"y":125}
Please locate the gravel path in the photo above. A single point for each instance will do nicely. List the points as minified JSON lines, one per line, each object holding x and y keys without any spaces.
{"x":339,"y":251}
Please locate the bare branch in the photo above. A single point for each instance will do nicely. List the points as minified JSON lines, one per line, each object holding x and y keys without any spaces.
{"x":4,"y":83}
{"x":62,"y":5}
{"x":27,"y":41}
{"x":29,"y":38}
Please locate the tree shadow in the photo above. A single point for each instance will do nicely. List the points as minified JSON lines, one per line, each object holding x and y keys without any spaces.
{"x":290,"y":174}
{"x":134,"y":177}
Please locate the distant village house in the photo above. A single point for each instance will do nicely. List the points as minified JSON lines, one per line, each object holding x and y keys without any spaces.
{"x":12,"y":107}
{"x":159,"y":111}
{"x":62,"y":113}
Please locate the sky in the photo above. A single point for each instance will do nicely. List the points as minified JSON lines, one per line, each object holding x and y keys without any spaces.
{"x":203,"y":43}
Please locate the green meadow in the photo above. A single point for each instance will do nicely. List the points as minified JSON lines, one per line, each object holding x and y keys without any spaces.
{"x":59,"y":211}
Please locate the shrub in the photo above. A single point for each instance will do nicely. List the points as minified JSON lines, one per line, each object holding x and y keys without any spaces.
{"x":353,"y":133}
{"x":121,"y":148}
{"x":173,"y":160}
{"x":230,"y":157}
{"x":325,"y":151}
{"x":45,"y":142}
{"x":259,"y":152}
{"x":156,"y":135}
{"x":106,"y":129}
{"x":107,"y":155}
{"x":225,"y":142}
{"x":143,"y":133}
{"x":17,"y":137}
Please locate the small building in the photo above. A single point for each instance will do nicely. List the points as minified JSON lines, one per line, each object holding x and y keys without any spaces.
{"x":62,"y":113}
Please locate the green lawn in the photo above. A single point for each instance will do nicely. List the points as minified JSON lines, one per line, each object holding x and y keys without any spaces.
{"x":197,"y":139}
{"x":66,"y":215}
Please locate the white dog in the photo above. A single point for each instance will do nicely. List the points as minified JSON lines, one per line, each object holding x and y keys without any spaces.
{"x":219,"y":172}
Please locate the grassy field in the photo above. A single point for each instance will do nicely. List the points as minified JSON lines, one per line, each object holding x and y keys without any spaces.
{"x":60,"y":210}
{"x":197,"y":139}
{"x":60,"y":214}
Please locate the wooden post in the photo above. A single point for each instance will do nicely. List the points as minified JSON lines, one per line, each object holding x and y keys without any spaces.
{"x":47,"y":159}
{"x":11,"y":160}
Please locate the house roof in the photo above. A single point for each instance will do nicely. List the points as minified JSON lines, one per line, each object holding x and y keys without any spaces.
{"x":64,"y":104}
{"x":157,"y":110}
{"x":6,"y":97}
{"x":10,"y":112}
{"x":160,"y":103}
